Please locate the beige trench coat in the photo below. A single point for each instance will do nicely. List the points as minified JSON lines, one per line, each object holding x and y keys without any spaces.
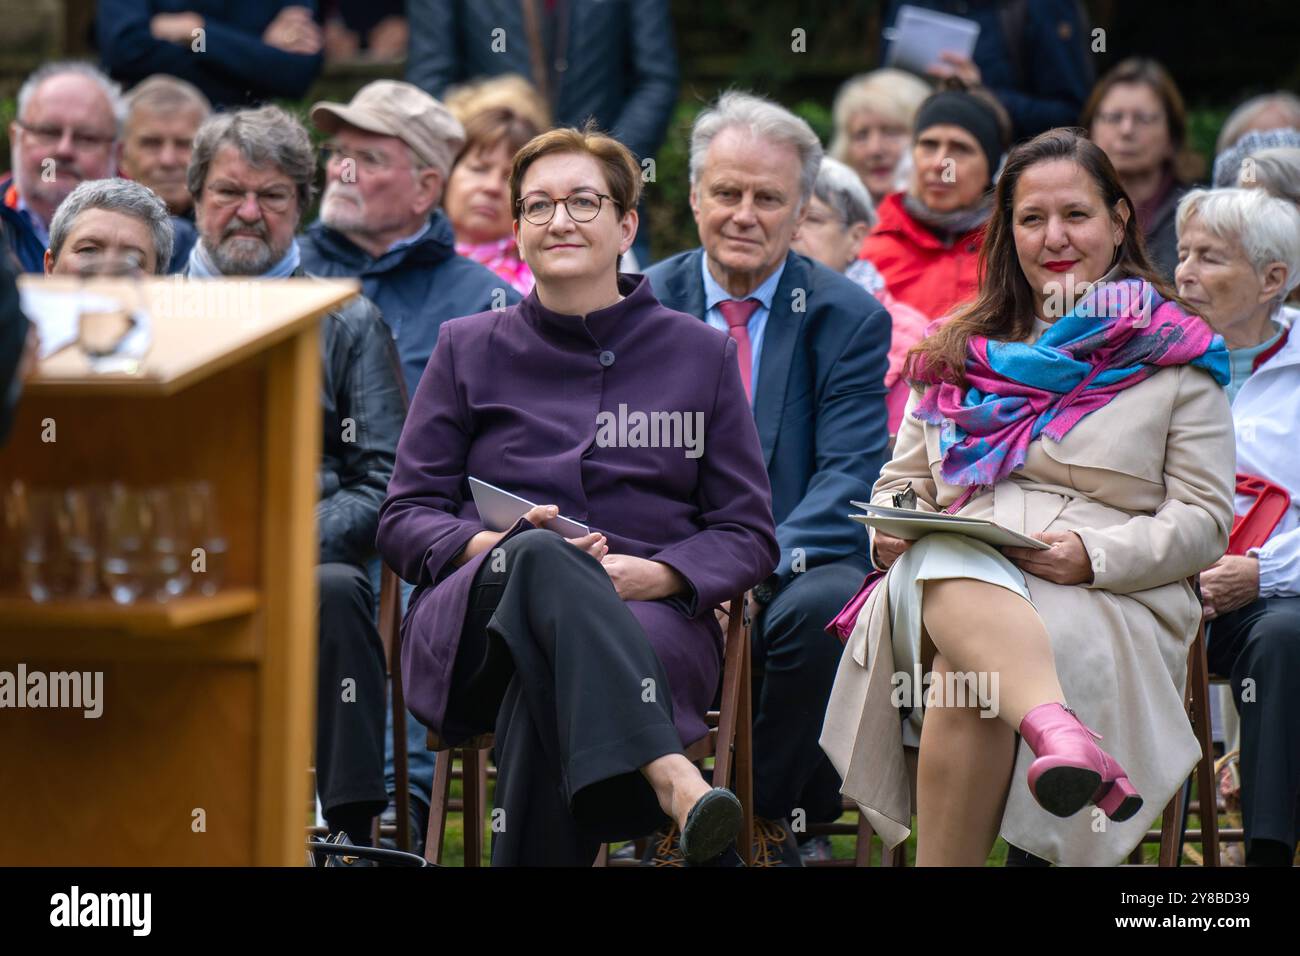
{"x":1147,"y":483}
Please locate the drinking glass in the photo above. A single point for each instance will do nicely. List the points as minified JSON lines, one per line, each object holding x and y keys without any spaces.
{"x":124,"y":558}
{"x":169,"y":558}
{"x":206,"y":546}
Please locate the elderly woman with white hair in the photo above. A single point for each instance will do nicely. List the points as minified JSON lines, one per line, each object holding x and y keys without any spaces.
{"x":110,"y":226}
{"x":873,"y":115}
{"x":1238,"y":257}
{"x":840,"y":214}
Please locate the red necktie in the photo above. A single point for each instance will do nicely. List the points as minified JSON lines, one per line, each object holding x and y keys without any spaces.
{"x":737,"y":315}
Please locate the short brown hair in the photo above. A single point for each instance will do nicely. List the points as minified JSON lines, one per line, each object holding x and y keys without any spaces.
{"x":485,"y":130}
{"x":621,"y":170}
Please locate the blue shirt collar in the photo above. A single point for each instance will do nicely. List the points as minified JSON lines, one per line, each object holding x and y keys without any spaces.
{"x":412,"y":239}
{"x":714,"y":293}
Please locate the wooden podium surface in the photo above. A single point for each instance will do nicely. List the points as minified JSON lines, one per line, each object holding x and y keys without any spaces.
{"x":201,"y":752}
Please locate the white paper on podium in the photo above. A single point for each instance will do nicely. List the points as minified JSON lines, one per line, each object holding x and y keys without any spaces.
{"x":56,"y":313}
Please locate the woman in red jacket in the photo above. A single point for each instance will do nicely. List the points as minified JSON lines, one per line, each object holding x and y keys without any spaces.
{"x":926,"y":243}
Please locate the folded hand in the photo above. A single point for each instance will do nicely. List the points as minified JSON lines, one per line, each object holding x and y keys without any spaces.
{"x":1065,"y":562}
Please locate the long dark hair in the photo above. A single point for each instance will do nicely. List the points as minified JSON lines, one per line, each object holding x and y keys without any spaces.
{"x":1004,"y":308}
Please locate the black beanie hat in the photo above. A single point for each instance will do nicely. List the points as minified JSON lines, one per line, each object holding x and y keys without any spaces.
{"x":970,"y":113}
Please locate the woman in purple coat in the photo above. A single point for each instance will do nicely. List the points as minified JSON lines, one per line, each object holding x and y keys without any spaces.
{"x":595,"y":658}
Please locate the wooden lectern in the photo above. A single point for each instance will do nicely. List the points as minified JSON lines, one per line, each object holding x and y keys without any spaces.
{"x":201,"y":753}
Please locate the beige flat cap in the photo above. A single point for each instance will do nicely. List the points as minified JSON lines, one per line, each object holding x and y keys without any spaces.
{"x":394,"y":108}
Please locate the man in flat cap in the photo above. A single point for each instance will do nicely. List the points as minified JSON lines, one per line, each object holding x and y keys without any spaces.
{"x":388,"y":156}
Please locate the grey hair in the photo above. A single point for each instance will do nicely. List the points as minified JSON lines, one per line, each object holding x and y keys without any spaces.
{"x":1275,"y":170}
{"x":764,"y":120}
{"x":1268,"y":228}
{"x":267,"y":136}
{"x":161,"y":92}
{"x":120,"y":196}
{"x":1240,"y":118}
{"x":839,"y":187}
{"x":63,"y":67}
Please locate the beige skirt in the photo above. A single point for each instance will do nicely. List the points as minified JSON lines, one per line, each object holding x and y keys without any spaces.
{"x":935,"y":557}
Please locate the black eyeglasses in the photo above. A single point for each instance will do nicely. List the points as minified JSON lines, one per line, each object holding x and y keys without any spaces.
{"x":582,"y":206}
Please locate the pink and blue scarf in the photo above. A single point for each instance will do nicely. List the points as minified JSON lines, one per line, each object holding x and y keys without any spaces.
{"x":1119,"y":334}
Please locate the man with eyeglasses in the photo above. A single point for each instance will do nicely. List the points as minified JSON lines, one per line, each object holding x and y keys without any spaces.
{"x":251,"y":176}
{"x":69,"y":118}
{"x":387,"y":160}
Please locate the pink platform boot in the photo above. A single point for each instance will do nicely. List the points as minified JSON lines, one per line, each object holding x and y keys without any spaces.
{"x":1071,"y":771}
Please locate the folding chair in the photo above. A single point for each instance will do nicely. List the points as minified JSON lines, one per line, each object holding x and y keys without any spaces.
{"x":390,"y":633}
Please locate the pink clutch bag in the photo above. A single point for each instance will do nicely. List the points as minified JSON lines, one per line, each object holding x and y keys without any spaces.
{"x":842,"y":624}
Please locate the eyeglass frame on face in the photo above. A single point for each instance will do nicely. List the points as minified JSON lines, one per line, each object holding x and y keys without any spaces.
{"x":556,"y":201}
{"x":1116,"y":117}
{"x":46,"y":136}
{"x":260,"y":197}
{"x":369,"y":160}
{"x":812,"y":218}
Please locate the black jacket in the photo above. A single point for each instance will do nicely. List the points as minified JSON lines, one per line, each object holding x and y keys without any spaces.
{"x":1161,"y":237}
{"x":363,"y":407}
{"x":13,"y":336}
{"x":1033,"y":54}
{"x":612,"y":59}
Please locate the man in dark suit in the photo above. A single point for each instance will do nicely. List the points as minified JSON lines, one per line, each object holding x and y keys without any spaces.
{"x":812,"y":347}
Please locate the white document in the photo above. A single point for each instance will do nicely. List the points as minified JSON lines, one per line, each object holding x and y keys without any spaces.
{"x":910,"y":525}
{"x":920,"y":35}
{"x":57,"y":313}
{"x":499,"y":510}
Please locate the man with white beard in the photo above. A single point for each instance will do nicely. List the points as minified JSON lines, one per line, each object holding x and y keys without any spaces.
{"x":387,"y":160}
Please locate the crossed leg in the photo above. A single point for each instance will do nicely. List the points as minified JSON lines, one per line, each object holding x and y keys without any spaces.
{"x":966,"y":760}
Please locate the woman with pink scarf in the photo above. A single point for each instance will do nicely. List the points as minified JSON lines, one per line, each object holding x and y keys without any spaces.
{"x":1074,"y":402}
{"x":499,"y":116}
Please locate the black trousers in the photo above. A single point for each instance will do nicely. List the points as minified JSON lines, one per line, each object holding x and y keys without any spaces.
{"x":1258,"y":648}
{"x":350,"y":698}
{"x":554,"y":662}
{"x":794,"y":665}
